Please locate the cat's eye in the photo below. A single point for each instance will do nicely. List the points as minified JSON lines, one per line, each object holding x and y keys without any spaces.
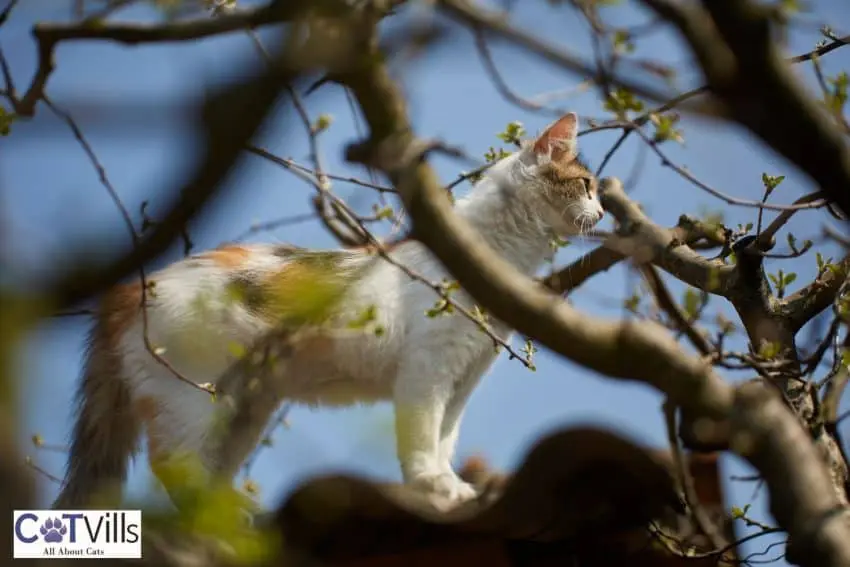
{"x":587,"y":188}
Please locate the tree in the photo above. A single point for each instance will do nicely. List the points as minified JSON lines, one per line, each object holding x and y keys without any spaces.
{"x":784,"y":419}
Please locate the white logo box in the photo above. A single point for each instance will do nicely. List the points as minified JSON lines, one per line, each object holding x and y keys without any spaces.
{"x":83,"y":534}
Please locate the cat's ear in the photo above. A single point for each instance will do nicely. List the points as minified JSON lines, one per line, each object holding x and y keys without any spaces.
{"x":559,"y":140}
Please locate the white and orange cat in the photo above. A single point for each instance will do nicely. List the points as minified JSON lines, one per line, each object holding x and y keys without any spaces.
{"x":427,"y":367}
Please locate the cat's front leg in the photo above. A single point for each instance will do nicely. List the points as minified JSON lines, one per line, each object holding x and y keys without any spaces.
{"x":463,"y":388}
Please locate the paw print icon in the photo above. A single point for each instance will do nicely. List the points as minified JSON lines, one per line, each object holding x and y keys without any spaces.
{"x":53,"y":530}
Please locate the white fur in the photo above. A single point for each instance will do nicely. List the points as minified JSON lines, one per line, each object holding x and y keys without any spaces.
{"x":427,"y":366}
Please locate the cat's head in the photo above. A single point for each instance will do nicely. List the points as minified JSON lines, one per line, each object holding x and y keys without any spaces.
{"x":563,"y":189}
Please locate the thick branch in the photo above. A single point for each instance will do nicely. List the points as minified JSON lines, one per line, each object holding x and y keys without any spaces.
{"x":601,"y":259}
{"x":642,"y":239}
{"x":572,"y":276}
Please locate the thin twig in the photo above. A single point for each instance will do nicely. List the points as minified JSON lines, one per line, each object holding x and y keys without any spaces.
{"x":665,"y":161}
{"x":7,"y":11}
{"x":291,"y":164}
{"x":51,"y":477}
{"x":686,"y":481}
{"x":499,"y":81}
{"x":275,"y":224}
{"x":134,"y":236}
{"x":668,"y":305}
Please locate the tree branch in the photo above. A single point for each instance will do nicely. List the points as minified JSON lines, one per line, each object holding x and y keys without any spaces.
{"x":568,"y":278}
{"x":642,"y":239}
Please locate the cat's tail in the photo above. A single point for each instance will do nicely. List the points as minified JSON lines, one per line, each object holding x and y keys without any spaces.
{"x":105,"y":435}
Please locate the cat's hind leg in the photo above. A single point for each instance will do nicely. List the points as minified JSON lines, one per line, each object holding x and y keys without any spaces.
{"x":178,"y":418}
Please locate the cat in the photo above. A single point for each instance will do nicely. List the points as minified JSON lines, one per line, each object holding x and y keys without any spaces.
{"x":427,"y":366}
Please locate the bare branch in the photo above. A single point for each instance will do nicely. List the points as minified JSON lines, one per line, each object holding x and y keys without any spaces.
{"x":499,"y":81}
{"x":666,"y":302}
{"x":686,"y":479}
{"x":765,"y":238}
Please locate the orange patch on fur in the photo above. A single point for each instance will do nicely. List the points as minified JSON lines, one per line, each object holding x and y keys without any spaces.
{"x":228,"y":256}
{"x":118,"y":309}
{"x":146,"y":408}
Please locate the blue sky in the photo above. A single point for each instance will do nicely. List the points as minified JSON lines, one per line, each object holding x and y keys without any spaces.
{"x":129,"y":101}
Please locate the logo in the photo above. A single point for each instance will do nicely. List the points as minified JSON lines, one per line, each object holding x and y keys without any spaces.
{"x":65,"y":534}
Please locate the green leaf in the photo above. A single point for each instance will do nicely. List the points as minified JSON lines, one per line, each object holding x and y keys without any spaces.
{"x":237,"y":350}
{"x":622,"y":100}
{"x":215,"y":510}
{"x":771,"y":182}
{"x":622,"y":41}
{"x":824,"y":264}
{"x":322,"y":123}
{"x":368,"y":315}
{"x":6,"y":120}
{"x":845,"y":357}
{"x":383,"y":213}
{"x":557,"y":243}
{"x":441,"y":307}
{"x":494,"y":155}
{"x":528,"y":349}
{"x":790,"y":7}
{"x":769,"y":350}
{"x":837,"y":98}
{"x":692,"y":303}
{"x":664,"y":127}
{"x":308,"y":290}
{"x":513,"y":133}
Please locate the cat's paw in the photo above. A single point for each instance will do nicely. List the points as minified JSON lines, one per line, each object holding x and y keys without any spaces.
{"x":445,"y":489}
